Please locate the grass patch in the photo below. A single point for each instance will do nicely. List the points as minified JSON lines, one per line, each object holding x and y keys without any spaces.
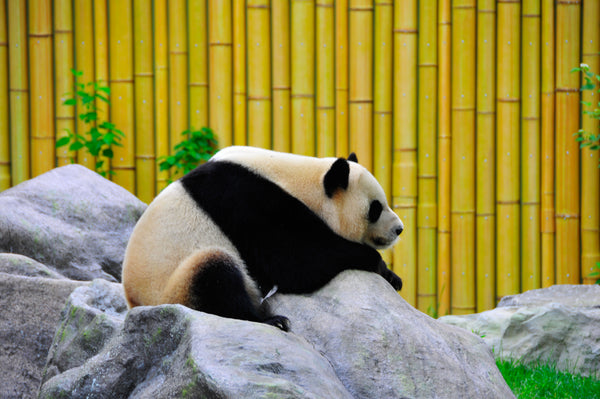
{"x":545,"y":381}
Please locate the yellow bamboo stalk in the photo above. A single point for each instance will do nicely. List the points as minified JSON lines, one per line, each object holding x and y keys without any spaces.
{"x":18,"y":91}
{"x":303,"y":76}
{"x":101,"y":57}
{"x":220,"y":71}
{"x":426,"y":155}
{"x":508,"y":150}
{"x":84,"y":62}
{"x":360,"y":66}
{"x":121,"y":85}
{"x":382,"y":99}
{"x":161,"y":89}
{"x":444,"y":155}
{"x":280,"y":25}
{"x":4,"y":103}
{"x":530,"y":147}
{"x":239,"y":72}
{"x":325,"y":71}
{"x":590,"y":173}
{"x":382,"y":94}
{"x":42,"y":86}
{"x":404,"y":174}
{"x":463,"y":157}
{"x":485,"y":244}
{"x":341,"y":78}
{"x":547,"y":141}
{"x":568,"y":257}
{"x":198,"y":63}
{"x":145,"y":167}
{"x":259,"y":74}
{"x":178,"y":79}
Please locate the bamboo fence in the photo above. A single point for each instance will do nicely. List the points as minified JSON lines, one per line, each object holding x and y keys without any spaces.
{"x":464,"y":111}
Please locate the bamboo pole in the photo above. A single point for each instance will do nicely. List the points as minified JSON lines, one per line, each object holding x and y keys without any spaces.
{"x":84,"y":62}
{"x":120,"y":37}
{"x":63,"y":63}
{"x":303,"y":76}
{"x":426,"y":155}
{"x":280,"y":24}
{"x":220,"y":71}
{"x":547,"y":141}
{"x":178,"y":71}
{"x":590,"y":173}
{"x":463,"y":157}
{"x":198,"y":64}
{"x":508,"y":150}
{"x":404,"y":174}
{"x":145,"y":167}
{"x":325,"y":72}
{"x":530,"y":147}
{"x":18,"y":91}
{"x":240,"y":120}
{"x":444,"y":156}
{"x":161,"y":89}
{"x":4,"y":102}
{"x":360,"y":94}
{"x":382,"y":94}
{"x":341,"y":78}
{"x":568,"y":256}
{"x":485,"y":244}
{"x":259,"y":74}
{"x":382,"y":99}
{"x":101,"y":58}
{"x":42,"y":86}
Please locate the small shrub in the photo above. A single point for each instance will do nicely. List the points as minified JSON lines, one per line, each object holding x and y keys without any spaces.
{"x":592,"y":82}
{"x":197,"y":147}
{"x":101,"y":135}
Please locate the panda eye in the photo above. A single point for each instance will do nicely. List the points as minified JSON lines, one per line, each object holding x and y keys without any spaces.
{"x":375,"y":211}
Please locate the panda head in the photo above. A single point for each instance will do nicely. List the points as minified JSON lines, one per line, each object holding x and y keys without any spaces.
{"x":356,"y":206}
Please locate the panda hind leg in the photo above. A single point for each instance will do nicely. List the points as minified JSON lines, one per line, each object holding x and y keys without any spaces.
{"x":218,"y":287}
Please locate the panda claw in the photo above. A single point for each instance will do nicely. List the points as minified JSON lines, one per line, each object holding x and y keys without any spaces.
{"x":281,"y":322}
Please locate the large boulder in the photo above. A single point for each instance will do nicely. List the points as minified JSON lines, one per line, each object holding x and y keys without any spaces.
{"x":354,"y":338}
{"x":70,"y":219}
{"x":30,"y":309}
{"x":558,"y":325}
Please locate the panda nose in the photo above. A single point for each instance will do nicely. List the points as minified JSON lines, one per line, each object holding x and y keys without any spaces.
{"x":399,"y":230}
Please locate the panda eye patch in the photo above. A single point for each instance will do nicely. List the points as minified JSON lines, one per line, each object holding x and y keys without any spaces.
{"x":375,"y":211}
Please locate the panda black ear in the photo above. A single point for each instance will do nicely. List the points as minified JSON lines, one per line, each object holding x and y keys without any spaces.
{"x":352,"y":157}
{"x":336,"y":177}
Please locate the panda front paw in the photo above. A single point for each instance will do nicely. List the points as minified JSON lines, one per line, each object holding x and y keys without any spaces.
{"x":390,"y":276}
{"x":281,"y":322}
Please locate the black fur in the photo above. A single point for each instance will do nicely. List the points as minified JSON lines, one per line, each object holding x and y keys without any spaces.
{"x":218,"y":288}
{"x":352,"y":157}
{"x":336,"y":177}
{"x":279,"y":238}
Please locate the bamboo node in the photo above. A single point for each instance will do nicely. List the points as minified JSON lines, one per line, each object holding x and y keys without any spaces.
{"x":145,"y":157}
{"x":412,"y":31}
{"x":217,"y":44}
{"x":360,"y":101}
{"x":199,"y":84}
{"x":568,"y":2}
{"x":258,"y":6}
{"x":513,"y":202}
{"x":566,"y":216}
{"x":144,"y":74}
{"x":361,"y":8}
{"x":567,"y":90}
{"x":42,"y":35}
{"x":508,"y":100}
{"x":282,"y":88}
{"x":258,"y":98}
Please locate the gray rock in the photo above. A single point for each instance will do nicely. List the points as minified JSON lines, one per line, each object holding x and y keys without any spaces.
{"x":30,"y":309}
{"x":70,"y":219}
{"x":20,"y":265}
{"x":558,"y":325}
{"x":381,"y":347}
{"x":355,"y":338}
{"x":171,"y":351}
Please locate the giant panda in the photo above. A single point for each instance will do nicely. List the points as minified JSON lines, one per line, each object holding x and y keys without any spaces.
{"x":251,"y":221}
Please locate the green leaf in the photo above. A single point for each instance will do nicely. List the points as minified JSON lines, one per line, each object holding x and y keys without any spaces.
{"x":70,"y":101}
{"x":99,"y":164}
{"x":76,"y":72}
{"x":108,"y":153}
{"x":76,"y":146}
{"x":63,"y":141}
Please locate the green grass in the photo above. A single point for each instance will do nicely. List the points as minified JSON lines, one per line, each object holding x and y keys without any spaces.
{"x":545,"y":381}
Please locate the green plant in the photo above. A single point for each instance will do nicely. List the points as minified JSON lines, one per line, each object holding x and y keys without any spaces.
{"x":198,"y":146}
{"x":541,"y":380}
{"x":592,"y":82}
{"x":596,"y":273}
{"x":101,"y":135}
